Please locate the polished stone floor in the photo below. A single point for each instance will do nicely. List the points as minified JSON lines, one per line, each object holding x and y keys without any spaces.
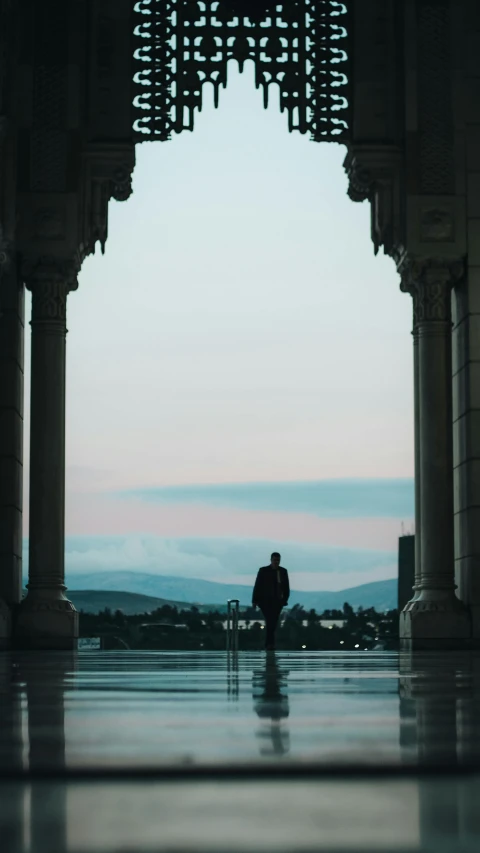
{"x":189,"y":751}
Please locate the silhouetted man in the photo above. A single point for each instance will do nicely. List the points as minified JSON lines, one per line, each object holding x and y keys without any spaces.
{"x":270,"y":593}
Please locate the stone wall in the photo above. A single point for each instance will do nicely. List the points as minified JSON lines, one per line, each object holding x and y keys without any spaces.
{"x":466,"y":316}
{"x":11,"y":329}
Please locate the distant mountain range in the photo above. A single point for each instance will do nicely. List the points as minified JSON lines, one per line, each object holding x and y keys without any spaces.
{"x":94,"y":600}
{"x":151,"y":591}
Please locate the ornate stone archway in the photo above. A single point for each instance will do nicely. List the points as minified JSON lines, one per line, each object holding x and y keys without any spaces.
{"x":82,"y":83}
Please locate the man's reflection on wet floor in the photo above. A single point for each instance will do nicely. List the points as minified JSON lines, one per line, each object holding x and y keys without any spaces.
{"x":270,"y":701}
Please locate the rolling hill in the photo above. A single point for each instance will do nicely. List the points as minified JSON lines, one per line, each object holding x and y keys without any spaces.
{"x":147,"y":592}
{"x":130,"y":603}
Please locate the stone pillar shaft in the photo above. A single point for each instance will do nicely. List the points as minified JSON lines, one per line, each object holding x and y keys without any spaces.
{"x":46,"y":618}
{"x":11,"y":441}
{"x":436,"y":437}
{"x":434,"y":615}
{"x":418,"y":491}
{"x":407,"y":288}
{"x":11,"y":435}
{"x":47,"y":439}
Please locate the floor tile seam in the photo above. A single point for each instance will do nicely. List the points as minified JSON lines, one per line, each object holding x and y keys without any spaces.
{"x":270,"y":770}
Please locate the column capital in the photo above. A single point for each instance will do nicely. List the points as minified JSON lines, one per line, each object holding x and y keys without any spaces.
{"x":37,"y":272}
{"x":50,"y":280}
{"x":415,"y":271}
{"x":430,"y":281}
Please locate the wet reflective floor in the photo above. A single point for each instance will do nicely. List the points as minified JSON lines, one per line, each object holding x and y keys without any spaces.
{"x":199,"y":751}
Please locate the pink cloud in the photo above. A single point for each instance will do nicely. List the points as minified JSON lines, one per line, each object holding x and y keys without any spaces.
{"x":102,"y":515}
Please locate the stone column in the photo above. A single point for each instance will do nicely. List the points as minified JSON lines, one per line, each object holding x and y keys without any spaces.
{"x":11,"y":334}
{"x":466,"y":409}
{"x":11,"y":441}
{"x":417,"y":465}
{"x":46,"y":618}
{"x":466,"y":336}
{"x":435,"y":617}
{"x":405,"y":286}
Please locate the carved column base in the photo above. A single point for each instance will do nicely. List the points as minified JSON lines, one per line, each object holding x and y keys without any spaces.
{"x":46,"y":620}
{"x":435,"y":620}
{"x":5,"y":626}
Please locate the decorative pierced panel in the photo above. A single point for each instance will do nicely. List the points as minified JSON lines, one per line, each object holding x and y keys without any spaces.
{"x":436,"y":136}
{"x":6,"y":41}
{"x":299,"y":46}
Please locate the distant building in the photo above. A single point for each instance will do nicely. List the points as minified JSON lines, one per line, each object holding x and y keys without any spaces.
{"x":406,"y":569}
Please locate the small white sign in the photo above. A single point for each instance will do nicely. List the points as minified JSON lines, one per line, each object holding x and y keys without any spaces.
{"x":89,"y":643}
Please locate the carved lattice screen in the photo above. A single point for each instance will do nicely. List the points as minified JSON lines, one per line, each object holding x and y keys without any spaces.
{"x":299,"y":46}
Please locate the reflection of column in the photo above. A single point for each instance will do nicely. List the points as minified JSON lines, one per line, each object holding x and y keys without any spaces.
{"x":436,"y":616}
{"x":272,"y":704}
{"x":433,"y":690}
{"x":45,"y":685}
{"x":46,"y":618}
{"x":468,"y":726}
{"x":428,"y":689}
{"x":11,"y":440}
{"x":408,"y":728}
{"x":11,"y":749}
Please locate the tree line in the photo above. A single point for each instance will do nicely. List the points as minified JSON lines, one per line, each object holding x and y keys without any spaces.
{"x":169,"y":627}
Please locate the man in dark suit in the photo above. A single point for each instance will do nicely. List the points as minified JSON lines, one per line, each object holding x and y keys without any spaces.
{"x":270,"y":593}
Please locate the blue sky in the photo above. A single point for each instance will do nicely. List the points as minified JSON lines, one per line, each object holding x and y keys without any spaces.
{"x":239,"y":330}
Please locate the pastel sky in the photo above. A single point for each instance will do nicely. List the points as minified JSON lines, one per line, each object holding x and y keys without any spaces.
{"x":238,"y":330}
